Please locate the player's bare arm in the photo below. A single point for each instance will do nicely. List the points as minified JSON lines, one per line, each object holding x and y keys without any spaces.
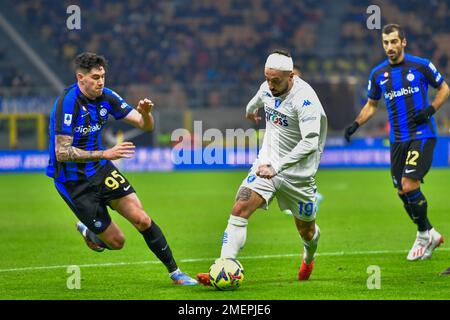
{"x":366,"y":113}
{"x":141,"y":117}
{"x":65,"y":152}
{"x":442,"y":95}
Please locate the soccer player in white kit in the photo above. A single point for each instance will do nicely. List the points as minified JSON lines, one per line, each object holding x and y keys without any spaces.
{"x":296,"y":127}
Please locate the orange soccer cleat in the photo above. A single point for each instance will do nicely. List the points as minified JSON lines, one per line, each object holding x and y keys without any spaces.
{"x":203,"y":278}
{"x":305,"y":270}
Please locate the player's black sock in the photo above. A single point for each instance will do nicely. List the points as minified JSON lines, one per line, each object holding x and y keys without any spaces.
{"x":158,"y":244}
{"x":418,"y":205}
{"x":409,"y":210}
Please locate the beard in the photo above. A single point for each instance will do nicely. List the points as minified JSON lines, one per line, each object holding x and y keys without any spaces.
{"x":279,"y":93}
{"x":393,"y":55}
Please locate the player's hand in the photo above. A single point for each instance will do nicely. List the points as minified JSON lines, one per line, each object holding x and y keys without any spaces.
{"x":266,"y":171}
{"x":119,"y":151}
{"x":253,"y":117}
{"x":145,"y":106}
{"x":351,"y":130}
{"x":424,"y":115}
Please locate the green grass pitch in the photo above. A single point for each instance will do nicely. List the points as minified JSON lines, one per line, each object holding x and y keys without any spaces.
{"x":362,"y":221}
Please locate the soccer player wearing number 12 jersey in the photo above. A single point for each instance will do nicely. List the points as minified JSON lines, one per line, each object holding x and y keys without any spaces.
{"x":82,"y":170}
{"x":403,"y":81}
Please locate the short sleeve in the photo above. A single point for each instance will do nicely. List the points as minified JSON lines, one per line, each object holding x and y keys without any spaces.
{"x":431,"y":74}
{"x":119,"y":108}
{"x":373,"y":89}
{"x":65,"y":115}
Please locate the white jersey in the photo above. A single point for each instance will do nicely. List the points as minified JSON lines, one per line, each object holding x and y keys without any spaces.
{"x":296,"y":127}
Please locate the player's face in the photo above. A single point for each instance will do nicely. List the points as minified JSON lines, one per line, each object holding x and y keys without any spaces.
{"x":92,"y":82}
{"x":393,"y":46}
{"x":279,"y":81}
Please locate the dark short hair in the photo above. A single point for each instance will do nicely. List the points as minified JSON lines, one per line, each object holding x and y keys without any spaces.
{"x":392,"y":27}
{"x":283,"y":52}
{"x":87,"y":60}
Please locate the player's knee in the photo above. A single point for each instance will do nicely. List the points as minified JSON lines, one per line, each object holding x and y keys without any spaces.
{"x":307,"y":233}
{"x":142,"y":222}
{"x":409,"y":185}
{"x":117,"y":242}
{"x":240,"y":208}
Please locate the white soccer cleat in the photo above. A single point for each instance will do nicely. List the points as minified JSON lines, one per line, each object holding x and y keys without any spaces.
{"x":436,"y":240}
{"x":423,"y":241}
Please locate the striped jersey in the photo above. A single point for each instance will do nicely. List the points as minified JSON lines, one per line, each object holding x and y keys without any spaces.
{"x":405,"y":90}
{"x":76,"y":115}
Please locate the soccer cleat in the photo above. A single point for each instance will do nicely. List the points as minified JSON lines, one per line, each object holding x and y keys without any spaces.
{"x":183,"y":279}
{"x":203,"y":278}
{"x":436,"y":240}
{"x":92,"y":245}
{"x":305,"y":270}
{"x":422,"y":243}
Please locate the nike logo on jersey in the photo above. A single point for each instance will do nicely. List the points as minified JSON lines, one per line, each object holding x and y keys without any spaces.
{"x":384,"y":81}
{"x":409,"y":171}
{"x":127,"y":187}
{"x":84,"y":115}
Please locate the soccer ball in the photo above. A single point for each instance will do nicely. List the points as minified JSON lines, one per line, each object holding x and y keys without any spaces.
{"x":226,"y":274}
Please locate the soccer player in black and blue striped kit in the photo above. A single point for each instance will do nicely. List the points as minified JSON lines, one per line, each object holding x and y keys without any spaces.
{"x":403,"y":80}
{"x":82,"y":170}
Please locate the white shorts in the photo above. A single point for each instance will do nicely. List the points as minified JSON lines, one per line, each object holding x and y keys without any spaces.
{"x":299,"y":197}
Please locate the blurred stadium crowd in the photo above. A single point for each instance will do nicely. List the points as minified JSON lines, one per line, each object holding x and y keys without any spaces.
{"x":206,"y":54}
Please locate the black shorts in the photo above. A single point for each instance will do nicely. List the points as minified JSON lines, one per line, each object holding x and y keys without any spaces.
{"x":88,"y":198}
{"x":411,"y":159}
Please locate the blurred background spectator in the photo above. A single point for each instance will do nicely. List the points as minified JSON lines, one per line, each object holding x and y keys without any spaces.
{"x":210,"y":54}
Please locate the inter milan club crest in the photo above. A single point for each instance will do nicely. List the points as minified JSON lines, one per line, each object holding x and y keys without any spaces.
{"x":103,"y":112}
{"x":277,"y":103}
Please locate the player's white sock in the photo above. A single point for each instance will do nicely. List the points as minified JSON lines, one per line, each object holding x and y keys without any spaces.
{"x":310,"y":246}
{"x":234,"y":237}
